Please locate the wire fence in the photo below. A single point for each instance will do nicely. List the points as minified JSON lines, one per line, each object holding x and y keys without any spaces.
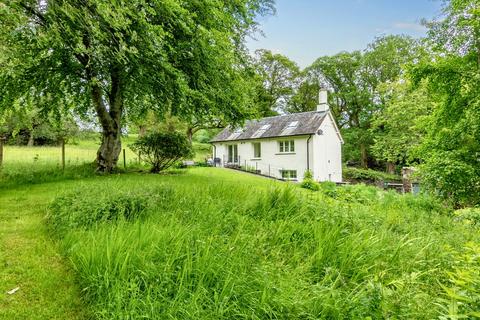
{"x":264,"y":169}
{"x":61,"y":156}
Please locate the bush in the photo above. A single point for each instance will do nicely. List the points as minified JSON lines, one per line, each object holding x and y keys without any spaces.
{"x":85,"y":207}
{"x":308,"y":182}
{"x":367,"y":175}
{"x":162,"y":149}
{"x":469,"y":216}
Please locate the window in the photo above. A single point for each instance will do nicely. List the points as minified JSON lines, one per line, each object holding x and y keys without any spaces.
{"x":261,"y":131}
{"x":286,"y":146}
{"x":290,"y":128}
{"x":235,"y":134}
{"x":233,"y":153}
{"x":257,"y":150}
{"x":289,"y":174}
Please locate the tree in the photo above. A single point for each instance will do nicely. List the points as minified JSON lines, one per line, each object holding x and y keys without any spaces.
{"x":399,"y":129}
{"x":276,"y":80}
{"x":26,"y":123}
{"x":119,"y":58}
{"x":305,"y":97}
{"x":451,"y":147}
{"x":355,"y":79}
{"x":162,"y":149}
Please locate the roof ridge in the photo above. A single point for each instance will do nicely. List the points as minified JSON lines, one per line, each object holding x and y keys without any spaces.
{"x":288,"y":114}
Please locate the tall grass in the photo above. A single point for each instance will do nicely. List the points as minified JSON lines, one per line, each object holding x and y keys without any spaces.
{"x":206,"y":249}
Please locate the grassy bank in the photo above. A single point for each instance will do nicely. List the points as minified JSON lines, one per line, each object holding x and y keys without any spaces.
{"x":216,"y":244}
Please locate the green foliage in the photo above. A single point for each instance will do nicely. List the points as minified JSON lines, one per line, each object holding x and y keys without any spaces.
{"x":308,"y":182}
{"x":276,"y":81}
{"x":451,"y":148}
{"x":210,"y":248}
{"x":356,"y":79}
{"x":400,"y":128}
{"x":367,"y":175}
{"x":462,"y":295}
{"x":118,"y":59}
{"x":87,"y":206}
{"x":470,"y":216}
{"x":162,"y":149}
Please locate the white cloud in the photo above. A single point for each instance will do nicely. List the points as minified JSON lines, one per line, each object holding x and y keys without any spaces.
{"x":409,"y":26}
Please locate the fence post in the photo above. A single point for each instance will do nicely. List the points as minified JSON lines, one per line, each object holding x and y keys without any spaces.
{"x":245,"y":165}
{"x":63,"y":153}
{"x":124,"y":160}
{"x":1,"y":150}
{"x":269,"y":171}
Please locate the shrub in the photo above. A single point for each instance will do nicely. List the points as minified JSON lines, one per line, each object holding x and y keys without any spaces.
{"x":84,"y":207}
{"x":462,"y":297}
{"x":328,"y":188}
{"x":162,"y":149}
{"x":367,"y":175}
{"x":468,"y":216}
{"x":308,"y":182}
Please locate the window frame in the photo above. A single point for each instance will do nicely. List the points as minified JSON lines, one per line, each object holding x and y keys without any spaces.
{"x":286,"y":146}
{"x":289,"y":174}
{"x":255,"y":146}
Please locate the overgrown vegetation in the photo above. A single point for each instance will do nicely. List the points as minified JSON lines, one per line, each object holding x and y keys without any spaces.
{"x":202,"y":246}
{"x":367,"y":175}
{"x":161,"y":150}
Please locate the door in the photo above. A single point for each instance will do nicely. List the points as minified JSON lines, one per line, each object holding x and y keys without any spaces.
{"x":233,"y":153}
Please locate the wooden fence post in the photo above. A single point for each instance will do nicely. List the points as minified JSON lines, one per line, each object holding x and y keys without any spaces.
{"x":63,"y":153}
{"x":124,"y":160}
{"x":1,"y":150}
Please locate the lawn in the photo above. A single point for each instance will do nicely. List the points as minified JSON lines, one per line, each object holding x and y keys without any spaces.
{"x":210,"y":243}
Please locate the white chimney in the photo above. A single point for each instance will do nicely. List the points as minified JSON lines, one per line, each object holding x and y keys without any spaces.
{"x":323,"y":100}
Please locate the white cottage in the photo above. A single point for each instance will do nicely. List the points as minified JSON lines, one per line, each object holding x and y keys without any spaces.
{"x":285,"y":146}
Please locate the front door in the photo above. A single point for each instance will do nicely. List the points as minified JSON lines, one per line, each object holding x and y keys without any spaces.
{"x":233,"y":153}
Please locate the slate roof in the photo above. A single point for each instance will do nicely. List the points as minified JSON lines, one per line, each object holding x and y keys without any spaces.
{"x":278,"y":126}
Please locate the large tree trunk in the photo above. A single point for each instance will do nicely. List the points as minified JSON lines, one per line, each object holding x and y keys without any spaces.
{"x":363,"y":155}
{"x":31,"y":140}
{"x":110,"y":120}
{"x":190,"y":134}
{"x":142,"y":131}
{"x":390,"y":167}
{"x":109,"y":151}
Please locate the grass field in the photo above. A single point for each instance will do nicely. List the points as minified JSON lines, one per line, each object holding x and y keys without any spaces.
{"x":210,"y":243}
{"x":77,"y":152}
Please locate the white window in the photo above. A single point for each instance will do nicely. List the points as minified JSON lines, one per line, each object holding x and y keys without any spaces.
{"x":286,"y":146}
{"x":257,"y":150}
{"x":289,"y":174}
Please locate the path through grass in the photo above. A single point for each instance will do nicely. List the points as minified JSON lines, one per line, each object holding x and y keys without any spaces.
{"x":29,"y":259}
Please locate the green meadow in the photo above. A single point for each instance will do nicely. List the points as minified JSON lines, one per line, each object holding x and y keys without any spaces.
{"x":211,"y":243}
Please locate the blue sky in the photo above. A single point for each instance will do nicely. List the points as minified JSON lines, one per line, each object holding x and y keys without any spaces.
{"x":304,"y":30}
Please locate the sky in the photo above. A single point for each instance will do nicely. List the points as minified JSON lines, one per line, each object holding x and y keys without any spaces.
{"x":304,"y":30}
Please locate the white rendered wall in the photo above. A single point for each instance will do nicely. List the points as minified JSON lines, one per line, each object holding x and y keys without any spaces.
{"x":271,"y":161}
{"x":327,"y":153}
